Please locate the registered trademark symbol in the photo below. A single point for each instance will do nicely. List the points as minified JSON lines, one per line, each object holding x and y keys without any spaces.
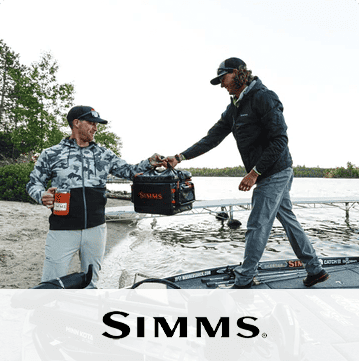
{"x":264,"y":335}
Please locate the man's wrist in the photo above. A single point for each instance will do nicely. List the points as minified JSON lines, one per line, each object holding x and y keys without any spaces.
{"x":256,"y":171}
{"x":180,"y":157}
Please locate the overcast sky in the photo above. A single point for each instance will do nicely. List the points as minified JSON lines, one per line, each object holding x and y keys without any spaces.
{"x":146,"y":65}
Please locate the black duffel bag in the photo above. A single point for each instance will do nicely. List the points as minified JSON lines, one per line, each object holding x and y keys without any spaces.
{"x":168,"y":192}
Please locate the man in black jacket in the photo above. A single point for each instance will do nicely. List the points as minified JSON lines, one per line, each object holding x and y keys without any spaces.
{"x":255,"y":117}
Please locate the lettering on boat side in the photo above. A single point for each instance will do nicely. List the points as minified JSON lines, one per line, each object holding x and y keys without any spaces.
{"x":274,"y":265}
{"x":192,"y":275}
{"x":293,"y":264}
{"x":333,"y":261}
{"x":86,"y":337}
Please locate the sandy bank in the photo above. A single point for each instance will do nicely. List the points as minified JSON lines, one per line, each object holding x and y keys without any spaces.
{"x":23,"y":229}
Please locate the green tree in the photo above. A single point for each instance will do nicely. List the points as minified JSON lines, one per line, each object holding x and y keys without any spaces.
{"x":33,"y":106}
{"x":44,"y":122}
{"x":7,"y":148}
{"x":8,"y":59}
{"x":24,"y":110}
{"x":108,"y":139}
{"x":9,"y":66}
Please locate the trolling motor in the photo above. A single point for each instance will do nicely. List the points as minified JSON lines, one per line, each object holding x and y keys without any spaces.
{"x":31,"y":300}
{"x":72,"y":281}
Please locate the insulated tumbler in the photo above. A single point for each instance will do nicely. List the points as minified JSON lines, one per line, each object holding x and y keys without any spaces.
{"x":62,"y":203}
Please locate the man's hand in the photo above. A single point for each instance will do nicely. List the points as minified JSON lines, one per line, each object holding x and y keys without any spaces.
{"x":248,"y":181}
{"x":48,"y":197}
{"x":157,"y":160}
{"x":172,"y":161}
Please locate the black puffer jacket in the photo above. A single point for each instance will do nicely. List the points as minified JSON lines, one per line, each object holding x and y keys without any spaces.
{"x":259,"y":128}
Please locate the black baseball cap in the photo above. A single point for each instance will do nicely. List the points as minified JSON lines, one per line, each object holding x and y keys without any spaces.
{"x":82,"y":112}
{"x":225,"y":67}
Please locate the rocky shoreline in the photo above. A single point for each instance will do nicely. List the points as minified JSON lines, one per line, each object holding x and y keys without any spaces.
{"x":118,"y":195}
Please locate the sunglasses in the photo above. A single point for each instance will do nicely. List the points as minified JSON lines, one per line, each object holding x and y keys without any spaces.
{"x":92,"y":112}
{"x":227,"y":70}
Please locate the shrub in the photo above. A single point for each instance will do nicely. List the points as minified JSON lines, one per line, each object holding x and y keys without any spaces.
{"x":340,"y":172}
{"x":7,"y":148}
{"x":303,"y":171}
{"x":217,"y":172}
{"x":13,"y":180}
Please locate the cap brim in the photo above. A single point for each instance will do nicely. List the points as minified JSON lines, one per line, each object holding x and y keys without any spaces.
{"x":216,"y":80}
{"x":96,"y":120}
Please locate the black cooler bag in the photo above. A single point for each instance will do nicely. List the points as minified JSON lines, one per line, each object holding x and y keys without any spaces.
{"x":168,"y":192}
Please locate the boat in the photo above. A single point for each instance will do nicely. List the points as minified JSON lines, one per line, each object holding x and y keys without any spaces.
{"x":276,"y":274}
{"x":294,"y":325}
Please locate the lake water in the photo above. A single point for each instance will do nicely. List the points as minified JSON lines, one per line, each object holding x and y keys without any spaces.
{"x":185,"y":243}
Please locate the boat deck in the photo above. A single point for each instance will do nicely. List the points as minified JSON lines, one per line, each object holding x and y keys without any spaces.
{"x":344,"y":278}
{"x":278,"y":274}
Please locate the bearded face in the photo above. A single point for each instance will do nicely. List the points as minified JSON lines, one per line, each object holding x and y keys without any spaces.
{"x":234,"y":82}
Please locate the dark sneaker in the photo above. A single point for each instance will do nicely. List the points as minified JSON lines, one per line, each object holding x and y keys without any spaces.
{"x":311,"y":280}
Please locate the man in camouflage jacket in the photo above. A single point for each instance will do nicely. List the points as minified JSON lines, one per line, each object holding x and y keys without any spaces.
{"x":80,"y":166}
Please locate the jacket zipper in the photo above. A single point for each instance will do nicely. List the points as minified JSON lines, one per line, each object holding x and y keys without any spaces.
{"x":83,"y":188}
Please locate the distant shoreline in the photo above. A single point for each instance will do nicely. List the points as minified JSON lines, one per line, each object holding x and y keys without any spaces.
{"x":351,"y":172}
{"x":299,"y":172}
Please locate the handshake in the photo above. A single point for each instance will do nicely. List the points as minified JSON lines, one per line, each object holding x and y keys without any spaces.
{"x":158,"y":160}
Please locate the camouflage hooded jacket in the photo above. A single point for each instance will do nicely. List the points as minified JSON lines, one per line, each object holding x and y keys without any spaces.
{"x":84,"y":172}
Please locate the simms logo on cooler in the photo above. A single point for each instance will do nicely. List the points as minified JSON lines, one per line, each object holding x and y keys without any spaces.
{"x":202,"y":324}
{"x":143,"y":195}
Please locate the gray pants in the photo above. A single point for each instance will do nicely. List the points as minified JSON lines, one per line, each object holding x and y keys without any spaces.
{"x":61,"y":246}
{"x":270,"y":200}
